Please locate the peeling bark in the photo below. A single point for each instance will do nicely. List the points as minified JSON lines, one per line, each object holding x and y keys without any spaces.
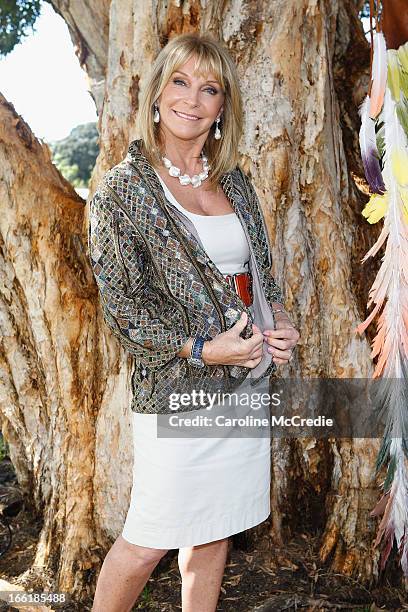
{"x":60,"y":376}
{"x":88,"y":24}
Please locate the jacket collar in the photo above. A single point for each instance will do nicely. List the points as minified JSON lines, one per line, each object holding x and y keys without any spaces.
{"x":230,"y":184}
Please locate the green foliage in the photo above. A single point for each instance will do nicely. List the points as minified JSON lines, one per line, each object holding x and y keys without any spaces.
{"x":76,"y":154}
{"x":17,"y":18}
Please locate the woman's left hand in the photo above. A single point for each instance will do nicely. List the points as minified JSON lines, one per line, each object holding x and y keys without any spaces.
{"x":281,"y":340}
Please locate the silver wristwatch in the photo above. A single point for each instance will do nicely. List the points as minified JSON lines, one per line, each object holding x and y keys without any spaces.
{"x":195,"y":354}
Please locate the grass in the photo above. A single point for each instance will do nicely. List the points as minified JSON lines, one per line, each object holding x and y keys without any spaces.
{"x":145,"y":598}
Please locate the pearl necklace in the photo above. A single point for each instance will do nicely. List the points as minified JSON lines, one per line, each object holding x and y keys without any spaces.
{"x":186,"y":179}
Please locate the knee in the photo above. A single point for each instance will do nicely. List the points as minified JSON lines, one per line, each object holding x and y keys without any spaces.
{"x":188,"y":557}
{"x":139,"y":555}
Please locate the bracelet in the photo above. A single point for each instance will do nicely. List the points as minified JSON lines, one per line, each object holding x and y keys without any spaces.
{"x":278,"y":310}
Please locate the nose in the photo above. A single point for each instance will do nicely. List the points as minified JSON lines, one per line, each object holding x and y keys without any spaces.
{"x":193,"y":97}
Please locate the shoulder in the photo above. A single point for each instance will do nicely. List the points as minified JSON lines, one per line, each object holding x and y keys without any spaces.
{"x":123,"y":184}
{"x":237,"y":174}
{"x":244,"y":184}
{"x":240,"y":177}
{"x":121,"y":178}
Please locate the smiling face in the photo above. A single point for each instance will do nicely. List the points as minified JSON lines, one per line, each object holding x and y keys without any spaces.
{"x":189,"y":104}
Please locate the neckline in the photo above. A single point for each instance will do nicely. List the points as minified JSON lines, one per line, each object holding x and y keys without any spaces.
{"x":184,"y":209}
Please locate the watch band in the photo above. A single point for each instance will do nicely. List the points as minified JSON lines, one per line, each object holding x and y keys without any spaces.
{"x":197,"y":347}
{"x":195,"y":358}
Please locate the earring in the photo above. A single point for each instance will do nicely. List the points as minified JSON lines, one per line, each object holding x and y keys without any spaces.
{"x":217,"y":133}
{"x":156,"y":117}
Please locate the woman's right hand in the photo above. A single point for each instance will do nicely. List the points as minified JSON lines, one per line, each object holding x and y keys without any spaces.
{"x":228,"y":348}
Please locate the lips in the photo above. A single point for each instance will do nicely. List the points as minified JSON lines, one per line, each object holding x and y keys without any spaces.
{"x":186,"y":116}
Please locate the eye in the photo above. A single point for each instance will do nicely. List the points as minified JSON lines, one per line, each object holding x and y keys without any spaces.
{"x":211,"y":90}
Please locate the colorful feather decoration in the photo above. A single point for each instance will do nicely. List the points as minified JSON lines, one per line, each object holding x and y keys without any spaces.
{"x":389,"y":295}
{"x":368,"y":148}
{"x":378,"y":74}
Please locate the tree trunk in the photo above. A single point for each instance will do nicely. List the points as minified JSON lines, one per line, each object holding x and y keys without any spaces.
{"x":303,"y":66}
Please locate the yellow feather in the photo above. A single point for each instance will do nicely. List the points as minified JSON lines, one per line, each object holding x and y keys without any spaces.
{"x":393,"y":73}
{"x":403,"y":56}
{"x":375,"y":208}
{"x":399,"y":165}
{"x":404,"y":198}
{"x":404,"y":82}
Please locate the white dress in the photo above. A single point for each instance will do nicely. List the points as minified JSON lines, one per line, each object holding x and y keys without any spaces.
{"x":189,"y":491}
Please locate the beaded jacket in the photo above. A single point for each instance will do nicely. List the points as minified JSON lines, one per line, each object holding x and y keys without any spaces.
{"x":157,"y":285}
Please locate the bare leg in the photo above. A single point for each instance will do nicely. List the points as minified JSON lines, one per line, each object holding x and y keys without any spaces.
{"x":125,"y":571}
{"x":202,"y":570}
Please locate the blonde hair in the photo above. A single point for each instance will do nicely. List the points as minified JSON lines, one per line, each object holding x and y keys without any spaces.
{"x":212,"y":57}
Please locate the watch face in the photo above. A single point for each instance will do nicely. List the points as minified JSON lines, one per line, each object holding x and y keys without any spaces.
{"x":197,"y":363}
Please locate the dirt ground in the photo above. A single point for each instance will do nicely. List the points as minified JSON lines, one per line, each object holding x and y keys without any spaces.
{"x":258,"y":578}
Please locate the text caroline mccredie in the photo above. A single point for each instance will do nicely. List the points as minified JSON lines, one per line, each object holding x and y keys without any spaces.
{"x":250,"y":420}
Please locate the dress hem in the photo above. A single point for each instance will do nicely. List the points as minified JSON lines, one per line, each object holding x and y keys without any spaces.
{"x":200,"y":533}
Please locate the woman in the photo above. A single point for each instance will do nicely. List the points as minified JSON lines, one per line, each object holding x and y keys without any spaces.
{"x":181,"y":257}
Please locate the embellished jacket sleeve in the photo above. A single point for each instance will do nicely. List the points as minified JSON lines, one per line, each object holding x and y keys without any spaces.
{"x":146,"y":323}
{"x":274,"y":291}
